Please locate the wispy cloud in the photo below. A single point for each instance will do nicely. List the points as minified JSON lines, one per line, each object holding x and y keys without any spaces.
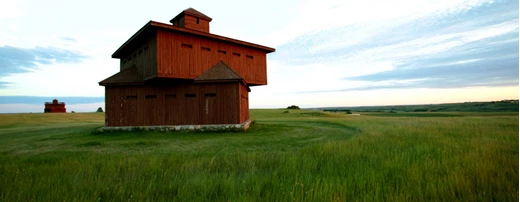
{"x":41,"y":100}
{"x":19,"y":60}
{"x":39,"y":108}
{"x":4,"y":84}
{"x":67,"y":39}
{"x":475,"y":45}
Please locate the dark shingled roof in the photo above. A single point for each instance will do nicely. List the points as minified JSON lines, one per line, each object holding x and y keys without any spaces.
{"x":128,"y":76}
{"x":192,"y":11}
{"x":219,"y":72}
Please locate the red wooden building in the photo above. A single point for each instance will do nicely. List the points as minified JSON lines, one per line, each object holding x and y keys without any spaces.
{"x":180,"y":73}
{"x":55,"y":107}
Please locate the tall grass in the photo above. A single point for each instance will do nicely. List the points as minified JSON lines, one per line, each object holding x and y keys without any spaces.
{"x":295,"y":156}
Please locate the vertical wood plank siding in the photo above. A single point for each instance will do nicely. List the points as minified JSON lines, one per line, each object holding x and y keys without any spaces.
{"x":191,"y":22}
{"x":244,"y":103}
{"x":215,"y":103}
{"x":144,"y":58}
{"x":177,"y":61}
{"x":167,"y":59}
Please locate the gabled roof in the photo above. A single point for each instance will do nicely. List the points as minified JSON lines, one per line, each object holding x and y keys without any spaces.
{"x":149,"y":29}
{"x":219,"y":72}
{"x":191,"y":11}
{"x":128,"y":76}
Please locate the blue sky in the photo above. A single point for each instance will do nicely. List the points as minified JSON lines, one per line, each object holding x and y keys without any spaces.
{"x":328,"y":53}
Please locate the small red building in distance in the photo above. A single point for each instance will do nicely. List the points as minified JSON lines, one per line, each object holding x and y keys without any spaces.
{"x":55,"y":107}
{"x":181,"y":74}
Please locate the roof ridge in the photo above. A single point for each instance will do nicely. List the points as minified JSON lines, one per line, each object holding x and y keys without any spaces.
{"x":229,"y":68}
{"x":191,"y":11}
{"x":219,"y":71}
{"x":196,"y":12}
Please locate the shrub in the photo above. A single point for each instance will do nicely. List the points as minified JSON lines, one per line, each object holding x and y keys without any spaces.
{"x":348,"y":111}
{"x":99,"y":109}
{"x":293,"y":107}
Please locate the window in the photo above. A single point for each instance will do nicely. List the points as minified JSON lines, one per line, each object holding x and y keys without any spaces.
{"x":186,"y":45}
{"x":197,"y":20}
{"x":131,"y":97}
{"x":170,"y":95}
{"x":150,"y":96}
{"x":205,"y":48}
{"x":236,"y":54}
{"x":221,"y":51}
{"x":190,"y":95}
{"x":210,"y":94}
{"x":249,"y":56}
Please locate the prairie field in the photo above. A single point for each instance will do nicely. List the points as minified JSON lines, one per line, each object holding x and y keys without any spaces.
{"x":287,"y":155}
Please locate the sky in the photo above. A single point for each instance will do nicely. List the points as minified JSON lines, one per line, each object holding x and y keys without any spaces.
{"x":328,"y":52}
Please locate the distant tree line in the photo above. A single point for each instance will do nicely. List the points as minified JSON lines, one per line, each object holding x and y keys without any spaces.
{"x":293,"y":107}
{"x":493,"y":106}
{"x":347,"y":111}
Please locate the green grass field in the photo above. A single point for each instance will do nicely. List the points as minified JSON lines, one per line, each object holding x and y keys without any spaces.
{"x":302,"y":155}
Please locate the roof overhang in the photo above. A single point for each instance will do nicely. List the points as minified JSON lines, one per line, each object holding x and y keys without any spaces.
{"x":150,"y":28}
{"x":129,"y":76}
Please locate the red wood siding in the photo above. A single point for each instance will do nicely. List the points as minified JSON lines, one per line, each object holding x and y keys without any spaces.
{"x":182,"y":104}
{"x":144,"y":58}
{"x":167,"y":57}
{"x":53,"y":108}
{"x":191,"y":23}
{"x":244,"y":103}
{"x":187,"y":56}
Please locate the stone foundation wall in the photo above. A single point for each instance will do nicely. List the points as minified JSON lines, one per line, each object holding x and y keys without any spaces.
{"x":170,"y":128}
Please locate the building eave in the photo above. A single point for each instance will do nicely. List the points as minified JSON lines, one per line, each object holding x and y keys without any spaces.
{"x":120,"y":50}
{"x":152,"y":25}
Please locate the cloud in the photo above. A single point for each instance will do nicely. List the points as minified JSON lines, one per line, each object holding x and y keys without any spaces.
{"x":67,"y":39}
{"x":38,"y":108}
{"x":476,"y":45}
{"x":474,"y":64}
{"x":9,"y":9}
{"x":19,"y":60}
{"x":41,"y":100}
{"x":4,"y":84}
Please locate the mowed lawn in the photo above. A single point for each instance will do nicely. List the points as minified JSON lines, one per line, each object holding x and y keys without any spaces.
{"x":287,"y":155}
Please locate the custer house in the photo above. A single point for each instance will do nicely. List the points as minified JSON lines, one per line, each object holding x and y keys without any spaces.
{"x":180,"y":74}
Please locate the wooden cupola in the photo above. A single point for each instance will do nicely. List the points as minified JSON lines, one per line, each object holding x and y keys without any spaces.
{"x":192,"y":19}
